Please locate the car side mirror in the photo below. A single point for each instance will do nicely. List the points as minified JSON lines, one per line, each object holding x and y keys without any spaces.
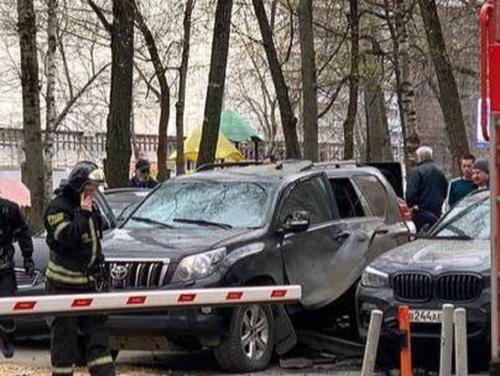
{"x":298,"y":221}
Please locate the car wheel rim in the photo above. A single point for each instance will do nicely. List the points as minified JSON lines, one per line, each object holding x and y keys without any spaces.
{"x":254,"y":333}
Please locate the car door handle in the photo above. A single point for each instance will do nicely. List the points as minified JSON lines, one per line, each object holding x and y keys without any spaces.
{"x":382,"y":231}
{"x":341,"y":235}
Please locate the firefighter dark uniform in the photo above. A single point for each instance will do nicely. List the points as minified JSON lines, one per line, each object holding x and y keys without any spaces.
{"x":73,"y":236}
{"x":13,"y":228}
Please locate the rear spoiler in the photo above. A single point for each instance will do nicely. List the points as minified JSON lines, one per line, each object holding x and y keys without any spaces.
{"x":392,"y":171}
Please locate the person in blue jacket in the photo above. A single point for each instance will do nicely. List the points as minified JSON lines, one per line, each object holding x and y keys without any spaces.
{"x":463,"y":185}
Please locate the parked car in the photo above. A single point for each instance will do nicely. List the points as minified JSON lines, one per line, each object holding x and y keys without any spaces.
{"x":451,"y":264}
{"x":317,"y":226}
{"x":123,"y":201}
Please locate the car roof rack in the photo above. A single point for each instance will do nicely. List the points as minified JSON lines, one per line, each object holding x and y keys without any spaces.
{"x":290,"y":162}
{"x":213,"y":166}
{"x":337,"y":164}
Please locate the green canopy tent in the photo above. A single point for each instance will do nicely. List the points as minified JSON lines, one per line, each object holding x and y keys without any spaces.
{"x":237,"y":128}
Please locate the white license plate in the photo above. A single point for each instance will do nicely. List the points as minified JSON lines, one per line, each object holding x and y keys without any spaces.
{"x":425,"y":316}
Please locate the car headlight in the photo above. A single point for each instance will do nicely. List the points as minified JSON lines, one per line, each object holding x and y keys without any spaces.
{"x":372,"y":277}
{"x":198,"y":266}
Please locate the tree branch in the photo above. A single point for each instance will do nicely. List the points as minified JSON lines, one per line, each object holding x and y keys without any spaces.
{"x":98,"y":11}
{"x":77,"y":96}
{"x":147,"y":82}
{"x":333,"y":97}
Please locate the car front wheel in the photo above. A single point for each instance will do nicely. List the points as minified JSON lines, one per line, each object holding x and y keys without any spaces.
{"x":249,"y":345}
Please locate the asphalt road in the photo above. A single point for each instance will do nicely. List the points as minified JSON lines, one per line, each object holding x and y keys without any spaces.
{"x":32,"y":358}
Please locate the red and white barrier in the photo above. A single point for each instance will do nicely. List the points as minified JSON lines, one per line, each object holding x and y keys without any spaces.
{"x":54,"y":305}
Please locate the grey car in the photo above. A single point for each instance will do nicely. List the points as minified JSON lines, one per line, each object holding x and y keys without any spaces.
{"x":295,"y":222}
{"x":123,"y":201}
{"x":449,"y":265}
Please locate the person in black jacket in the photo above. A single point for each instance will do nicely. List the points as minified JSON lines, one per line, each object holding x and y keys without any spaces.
{"x":426,"y":189}
{"x":142,"y":177}
{"x":13,"y":228}
{"x":74,"y":229}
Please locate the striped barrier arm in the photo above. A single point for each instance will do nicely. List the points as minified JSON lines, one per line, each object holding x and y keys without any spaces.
{"x":148,"y":300}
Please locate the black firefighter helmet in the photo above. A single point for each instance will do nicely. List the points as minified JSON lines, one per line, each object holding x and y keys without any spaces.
{"x":84,"y":173}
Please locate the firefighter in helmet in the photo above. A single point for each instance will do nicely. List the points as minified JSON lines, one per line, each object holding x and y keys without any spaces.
{"x":13,"y":228}
{"x":74,"y":230}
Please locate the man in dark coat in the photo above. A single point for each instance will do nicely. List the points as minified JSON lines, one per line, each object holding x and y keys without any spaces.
{"x":142,"y":177}
{"x":13,"y":228}
{"x":426,"y":189}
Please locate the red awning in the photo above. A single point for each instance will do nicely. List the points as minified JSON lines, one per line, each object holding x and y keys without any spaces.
{"x":15,"y":190}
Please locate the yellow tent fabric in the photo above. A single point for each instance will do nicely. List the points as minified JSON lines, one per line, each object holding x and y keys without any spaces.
{"x":225,"y":149}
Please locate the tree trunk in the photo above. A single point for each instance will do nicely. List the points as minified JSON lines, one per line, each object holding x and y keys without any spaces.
{"x":50,"y":101}
{"x":406,"y":89}
{"x":309,"y":83}
{"x":33,"y":168}
{"x":352,"y":108}
{"x":378,"y":141}
{"x":216,"y":82}
{"x":133,"y":135}
{"x":449,"y":97}
{"x":181,"y":98}
{"x":118,"y":148}
{"x":164,"y":94}
{"x":288,"y":119}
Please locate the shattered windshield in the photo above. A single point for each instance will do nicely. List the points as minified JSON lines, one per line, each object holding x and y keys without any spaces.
{"x":206,"y":203}
{"x":470,"y":223}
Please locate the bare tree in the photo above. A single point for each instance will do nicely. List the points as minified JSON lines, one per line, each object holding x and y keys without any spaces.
{"x":352,"y":108}
{"x":288,"y":119}
{"x":118,"y":148}
{"x":378,"y":141}
{"x":33,"y":168}
{"x":181,"y":95}
{"x":449,"y":98}
{"x":216,"y":82}
{"x":50,"y":100}
{"x":406,"y":87}
{"x":164,"y":93}
{"x":309,"y":82}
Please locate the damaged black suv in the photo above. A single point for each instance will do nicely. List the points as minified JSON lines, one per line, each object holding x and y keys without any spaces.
{"x":293,"y":223}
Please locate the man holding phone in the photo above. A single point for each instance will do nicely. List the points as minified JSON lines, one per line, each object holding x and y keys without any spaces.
{"x":74,"y":230}
{"x":142,"y":177}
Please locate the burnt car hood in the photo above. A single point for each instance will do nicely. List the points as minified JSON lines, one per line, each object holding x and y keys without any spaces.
{"x":437,"y":256}
{"x":171,"y":243}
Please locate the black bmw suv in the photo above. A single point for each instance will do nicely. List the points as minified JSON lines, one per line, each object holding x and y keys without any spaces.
{"x":293,"y":223}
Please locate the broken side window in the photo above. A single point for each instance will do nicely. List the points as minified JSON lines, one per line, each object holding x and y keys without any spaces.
{"x":374,"y":192}
{"x":348,"y":200}
{"x":310,"y":196}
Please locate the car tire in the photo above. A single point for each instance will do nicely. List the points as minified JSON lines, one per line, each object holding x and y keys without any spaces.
{"x":249,"y":344}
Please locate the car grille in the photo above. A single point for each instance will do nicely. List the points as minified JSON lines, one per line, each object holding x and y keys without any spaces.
{"x":421,"y":287}
{"x":459,"y":287}
{"x":412,"y":286}
{"x":137,"y":273}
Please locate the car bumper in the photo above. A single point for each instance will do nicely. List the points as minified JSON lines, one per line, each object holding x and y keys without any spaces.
{"x":196,"y":322}
{"x":367,"y":299}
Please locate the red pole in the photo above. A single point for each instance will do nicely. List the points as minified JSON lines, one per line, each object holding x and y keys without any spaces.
{"x":484,"y":19}
{"x":497,"y":21}
{"x":404,"y":328}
